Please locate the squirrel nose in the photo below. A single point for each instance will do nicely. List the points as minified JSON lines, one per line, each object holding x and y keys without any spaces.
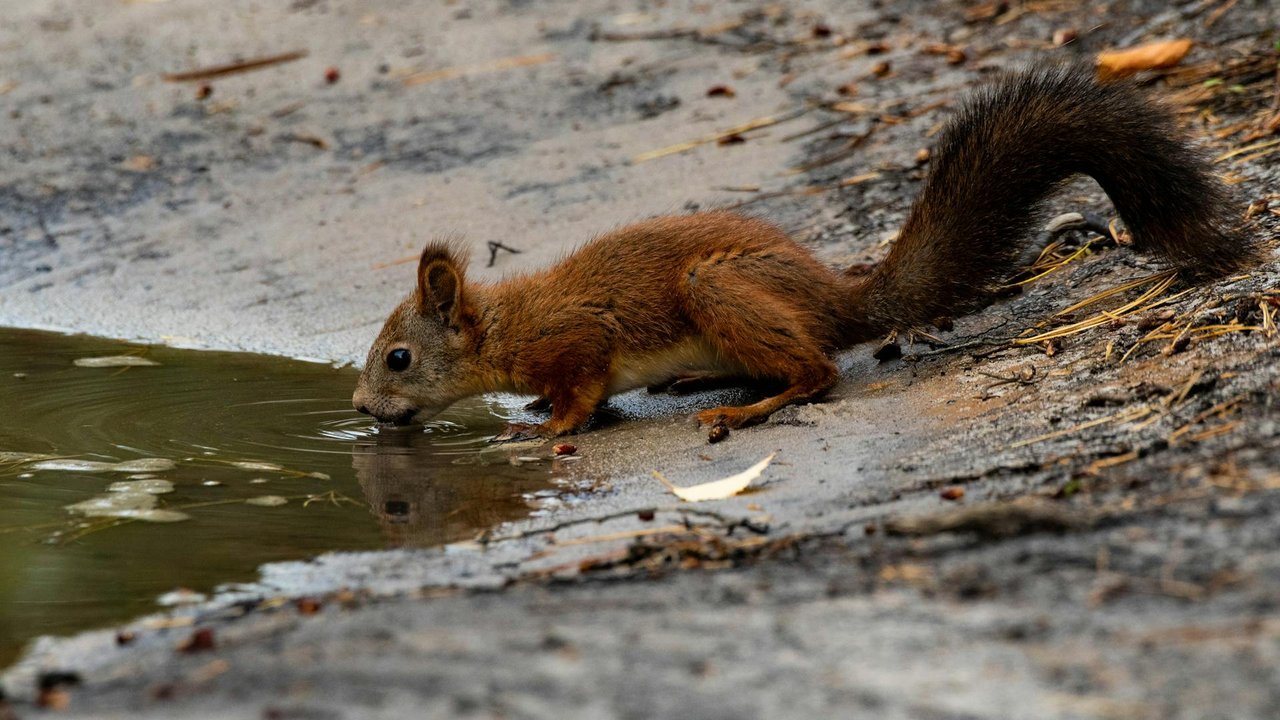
{"x":358,"y":402}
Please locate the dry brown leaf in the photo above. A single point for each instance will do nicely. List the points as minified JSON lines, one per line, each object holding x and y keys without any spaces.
{"x":1114,"y":64}
{"x":859,"y":179}
{"x":139,"y":163}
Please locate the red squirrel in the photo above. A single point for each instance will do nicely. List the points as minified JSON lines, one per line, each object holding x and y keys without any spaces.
{"x":718,"y":294}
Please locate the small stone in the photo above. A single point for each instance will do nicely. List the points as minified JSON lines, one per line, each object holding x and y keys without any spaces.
{"x":718,"y":433}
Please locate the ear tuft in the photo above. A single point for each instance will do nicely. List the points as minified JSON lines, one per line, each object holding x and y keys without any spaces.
{"x":440,"y":282}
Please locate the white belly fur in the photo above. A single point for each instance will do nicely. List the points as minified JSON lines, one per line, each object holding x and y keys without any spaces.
{"x":692,"y":356}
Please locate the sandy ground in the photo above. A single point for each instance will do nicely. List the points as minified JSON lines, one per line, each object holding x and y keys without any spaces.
{"x":1114,"y":552}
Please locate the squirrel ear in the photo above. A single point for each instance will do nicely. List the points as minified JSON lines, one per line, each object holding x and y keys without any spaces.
{"x":440,"y":285}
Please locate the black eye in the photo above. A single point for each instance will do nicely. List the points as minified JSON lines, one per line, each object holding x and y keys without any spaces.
{"x":398,"y":359}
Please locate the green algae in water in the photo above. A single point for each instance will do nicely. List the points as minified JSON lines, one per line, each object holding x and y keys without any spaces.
{"x":219,"y":429}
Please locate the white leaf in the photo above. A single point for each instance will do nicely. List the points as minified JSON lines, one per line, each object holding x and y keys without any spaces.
{"x":158,"y":516}
{"x":255,"y":465}
{"x":267,"y":501}
{"x":719,"y":489}
{"x":150,"y":487}
{"x":115,"y":361}
{"x":21,"y":457}
{"x":129,"y":466}
{"x":119,"y":504}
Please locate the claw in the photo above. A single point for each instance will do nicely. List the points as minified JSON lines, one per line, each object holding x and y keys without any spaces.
{"x":539,"y":405}
{"x":516,"y":432}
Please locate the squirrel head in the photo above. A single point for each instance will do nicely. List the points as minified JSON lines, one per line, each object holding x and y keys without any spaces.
{"x":422,"y":361}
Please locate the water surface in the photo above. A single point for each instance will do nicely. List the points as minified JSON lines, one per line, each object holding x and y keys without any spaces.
{"x":235,"y":427}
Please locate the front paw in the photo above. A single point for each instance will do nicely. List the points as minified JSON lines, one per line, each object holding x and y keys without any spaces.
{"x":517,"y":432}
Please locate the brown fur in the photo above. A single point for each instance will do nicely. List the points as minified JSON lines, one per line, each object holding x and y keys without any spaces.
{"x":718,"y":294}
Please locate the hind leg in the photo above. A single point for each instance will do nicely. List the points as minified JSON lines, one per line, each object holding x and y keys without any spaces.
{"x":768,"y":336}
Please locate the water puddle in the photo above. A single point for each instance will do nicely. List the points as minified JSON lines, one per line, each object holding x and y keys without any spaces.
{"x":122,"y":480}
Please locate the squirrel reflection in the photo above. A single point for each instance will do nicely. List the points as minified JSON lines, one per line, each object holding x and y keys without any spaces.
{"x":420,"y":503}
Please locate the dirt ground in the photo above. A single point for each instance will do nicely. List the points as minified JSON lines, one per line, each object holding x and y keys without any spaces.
{"x":1080,"y":527}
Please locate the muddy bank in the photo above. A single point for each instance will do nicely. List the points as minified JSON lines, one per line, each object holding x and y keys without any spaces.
{"x":981,"y":528}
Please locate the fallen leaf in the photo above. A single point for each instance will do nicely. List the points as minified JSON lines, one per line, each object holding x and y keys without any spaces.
{"x":129,"y":505}
{"x":859,"y":179}
{"x":255,"y":465}
{"x":149,"y":486}
{"x":54,"y":699}
{"x":120,"y":504}
{"x":1062,"y":36}
{"x":1113,"y":64}
{"x":311,"y":139}
{"x":266,"y":501}
{"x":168,"y":623}
{"x":114,"y":361}
{"x":718,"y":489}
{"x":181,"y":596}
{"x":985,"y":11}
{"x":139,"y":163}
{"x":143,"y":465}
{"x":159,"y":516}
{"x":21,"y":457}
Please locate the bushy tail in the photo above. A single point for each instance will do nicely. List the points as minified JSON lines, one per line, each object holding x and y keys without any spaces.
{"x":1009,"y":147}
